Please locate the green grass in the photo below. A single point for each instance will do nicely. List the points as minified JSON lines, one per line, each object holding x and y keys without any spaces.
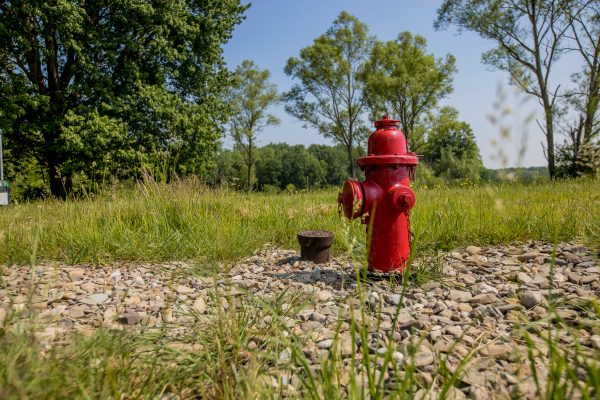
{"x":187,"y":221}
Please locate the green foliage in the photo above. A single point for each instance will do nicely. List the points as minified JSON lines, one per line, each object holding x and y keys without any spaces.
{"x":333,"y":159}
{"x":450,"y":167}
{"x":279,"y":165}
{"x":329,"y":95}
{"x":451,"y":150}
{"x":401,"y":78}
{"x":230,"y":164}
{"x":282,"y":165}
{"x":251,"y":95}
{"x":95,"y":88}
{"x":525,"y":175}
{"x":26,"y":178}
{"x":576,"y":160}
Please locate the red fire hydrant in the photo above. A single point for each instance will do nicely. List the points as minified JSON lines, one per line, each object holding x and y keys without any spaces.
{"x":383,"y":201}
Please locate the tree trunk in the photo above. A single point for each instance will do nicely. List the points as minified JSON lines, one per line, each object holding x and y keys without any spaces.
{"x":60,"y":186}
{"x":249,"y":176}
{"x":351,"y":160}
{"x":550,"y":142}
{"x":249,"y":165}
{"x":590,"y":110}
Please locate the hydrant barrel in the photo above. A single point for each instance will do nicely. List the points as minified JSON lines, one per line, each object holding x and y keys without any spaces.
{"x":384,"y":199}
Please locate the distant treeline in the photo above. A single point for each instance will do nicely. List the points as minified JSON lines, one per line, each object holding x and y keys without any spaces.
{"x":521,"y":174}
{"x":281,"y":167}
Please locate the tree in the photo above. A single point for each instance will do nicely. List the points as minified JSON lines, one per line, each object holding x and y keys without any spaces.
{"x":451,"y":149}
{"x":577,"y":155}
{"x":230,"y":165}
{"x":329,"y":96}
{"x":109,"y":85}
{"x":333,"y":160}
{"x":252,"y":94}
{"x":528,"y":35}
{"x":401,"y":78}
{"x":281,"y":165}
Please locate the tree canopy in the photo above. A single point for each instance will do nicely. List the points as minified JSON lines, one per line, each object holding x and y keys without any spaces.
{"x":110,"y":87}
{"x":329,"y":95}
{"x":402,"y":79}
{"x":451,"y":150}
{"x":251,"y":95}
{"x":528,"y":37}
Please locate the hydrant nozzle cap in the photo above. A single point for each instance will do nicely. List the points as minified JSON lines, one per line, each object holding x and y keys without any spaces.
{"x":386,"y":122}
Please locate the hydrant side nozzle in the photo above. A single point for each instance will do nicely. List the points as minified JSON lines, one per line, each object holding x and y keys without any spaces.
{"x":351,"y":200}
{"x":403,"y":197}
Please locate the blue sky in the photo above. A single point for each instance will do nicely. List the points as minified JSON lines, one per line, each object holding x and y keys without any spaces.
{"x":275,"y":30}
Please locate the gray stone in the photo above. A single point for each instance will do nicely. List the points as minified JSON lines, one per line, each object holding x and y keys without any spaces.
{"x":398,"y":357}
{"x":285,"y":356}
{"x":415,"y":324}
{"x":595,"y":340}
{"x":528,"y":256}
{"x":473,"y":250}
{"x":424,"y":358}
{"x":184,"y":289}
{"x":501,"y":351}
{"x":477,"y":392}
{"x":76,"y":313}
{"x":522,"y":277}
{"x":116,"y":276}
{"x":459,"y":295}
{"x":484,"y":288}
{"x":346,"y":348}
{"x":454,"y":330}
{"x":530,"y":298}
{"x":95,"y":299}
{"x":130,"y":318}
{"x":435,"y":335}
{"x":109,"y":315}
{"x":586,"y":280}
{"x":200,"y":305}
{"x":374,"y":299}
{"x":304,"y":315}
{"x":76,"y":274}
{"x":486,"y":298}
{"x":323,"y":295}
{"x":318,"y":317}
{"x":310,"y":326}
{"x":455,"y":393}
{"x":392,"y":298}
{"x":139,"y":281}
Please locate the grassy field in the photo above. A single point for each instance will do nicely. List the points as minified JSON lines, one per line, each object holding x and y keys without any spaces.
{"x":186,"y":221}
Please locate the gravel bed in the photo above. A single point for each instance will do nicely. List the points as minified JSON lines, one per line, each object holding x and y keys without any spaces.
{"x":485,"y":299}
